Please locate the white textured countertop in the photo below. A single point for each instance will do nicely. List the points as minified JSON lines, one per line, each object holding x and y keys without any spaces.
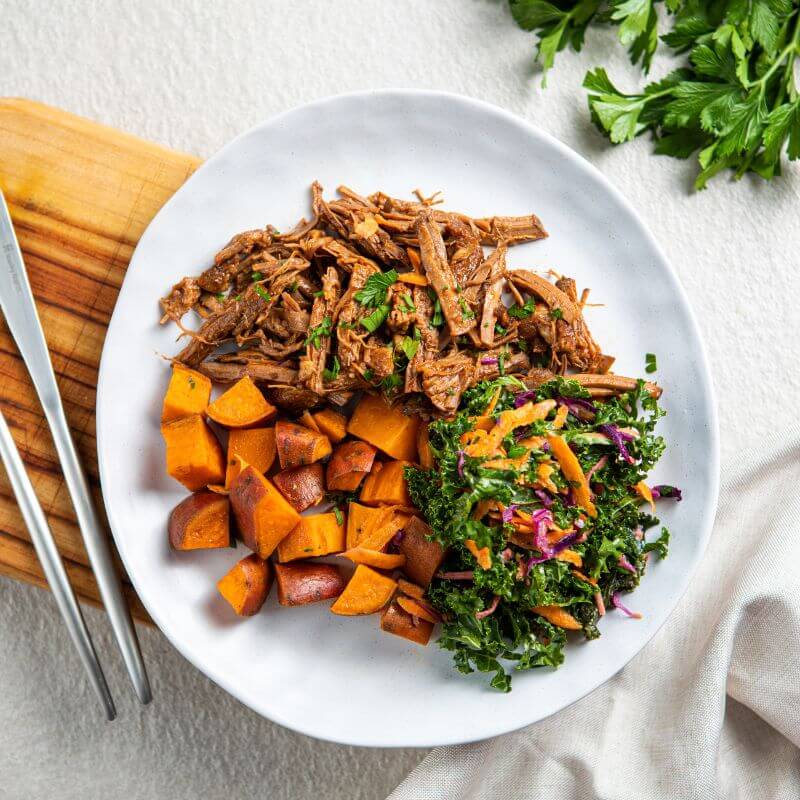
{"x":191,"y":75}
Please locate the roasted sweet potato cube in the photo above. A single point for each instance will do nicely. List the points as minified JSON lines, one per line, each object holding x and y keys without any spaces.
{"x":199,"y":522}
{"x":411,"y":589}
{"x":302,"y":486}
{"x":424,"y":452}
{"x":298,"y":445}
{"x":386,"y":485}
{"x":419,"y":608}
{"x":317,"y":535}
{"x":375,"y":558}
{"x":367,"y":592}
{"x":263,"y":515}
{"x":302,"y":583}
{"x":194,"y":456}
{"x":349,"y":465}
{"x":423,"y":557}
{"x":332,"y":424}
{"x":247,"y":585}
{"x":401,"y":623}
{"x":241,"y":406}
{"x":360,"y":522}
{"x":188,"y":393}
{"x":254,"y":446}
{"x":385,"y":426}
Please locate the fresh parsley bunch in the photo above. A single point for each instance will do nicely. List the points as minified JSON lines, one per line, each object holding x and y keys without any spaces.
{"x":735,"y":103}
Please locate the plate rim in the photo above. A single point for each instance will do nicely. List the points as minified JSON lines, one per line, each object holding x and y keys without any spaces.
{"x":709,"y":511}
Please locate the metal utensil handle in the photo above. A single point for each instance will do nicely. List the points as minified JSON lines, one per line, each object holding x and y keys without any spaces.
{"x":16,"y":299}
{"x":53,"y":567}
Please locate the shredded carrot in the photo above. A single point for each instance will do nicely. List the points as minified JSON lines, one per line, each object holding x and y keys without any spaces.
{"x":571,"y":557}
{"x":571,"y":468}
{"x":511,"y":419}
{"x":543,"y":473}
{"x":413,"y":279}
{"x":482,"y":554}
{"x":578,"y":574}
{"x":413,"y":257}
{"x":644,"y":491}
{"x":558,"y":616}
{"x":561,"y":418}
{"x":493,"y":402}
{"x":483,"y":507}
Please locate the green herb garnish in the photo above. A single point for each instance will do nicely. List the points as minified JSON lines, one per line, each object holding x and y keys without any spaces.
{"x":376,"y":288}
{"x":650,"y":362}
{"x":319,"y":332}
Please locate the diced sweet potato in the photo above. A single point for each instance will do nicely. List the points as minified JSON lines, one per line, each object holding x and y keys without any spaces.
{"x":317,"y":535}
{"x":384,"y":528}
{"x":188,"y":393}
{"x":302,"y":486}
{"x":386,"y":485}
{"x":399,"y":622}
{"x":375,"y":558}
{"x":308,"y":420}
{"x":247,"y":585}
{"x":263,"y":515}
{"x":424,"y":452}
{"x":297,"y":445}
{"x":255,"y":446}
{"x":303,"y":583}
{"x":366,"y":592}
{"x":423,"y":557}
{"x":194,"y":456}
{"x":411,"y":589}
{"x":242,"y":406}
{"x":418,"y":608}
{"x":360,"y":521}
{"x":348,"y":466}
{"x":332,"y":424}
{"x":200,"y":521}
{"x":385,"y":426}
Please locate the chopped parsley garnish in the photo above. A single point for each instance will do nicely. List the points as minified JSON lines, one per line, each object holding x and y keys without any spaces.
{"x":522,"y":312}
{"x":409,"y":346}
{"x":650,"y":362}
{"x":220,"y":296}
{"x":556,"y":313}
{"x":333,"y":373}
{"x":374,"y":320}
{"x":319,"y":332}
{"x":391,"y":383}
{"x":407,"y":303}
{"x":500,"y":330}
{"x":257,"y":276}
{"x":337,"y":512}
{"x":376,"y":288}
{"x":263,"y":293}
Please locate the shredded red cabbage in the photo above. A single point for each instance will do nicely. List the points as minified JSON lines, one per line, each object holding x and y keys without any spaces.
{"x":460,"y":464}
{"x":508,"y":512}
{"x":489,"y":611}
{"x":625,"y":564}
{"x":489,"y":360}
{"x":600,"y":463}
{"x":619,"y":438}
{"x":467,"y":575}
{"x":524,"y":397}
{"x":663,"y":490}
{"x":546,"y":499}
{"x":398,"y":537}
{"x":578,"y":406}
{"x":626,"y":611}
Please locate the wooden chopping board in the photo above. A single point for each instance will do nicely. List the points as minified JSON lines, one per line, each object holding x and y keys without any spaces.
{"x":80,"y":195}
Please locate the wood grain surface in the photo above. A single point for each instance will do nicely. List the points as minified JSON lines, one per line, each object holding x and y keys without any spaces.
{"x":80,"y":196}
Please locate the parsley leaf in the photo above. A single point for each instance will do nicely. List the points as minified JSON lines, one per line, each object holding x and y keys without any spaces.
{"x":319,"y":332}
{"x":333,"y":373}
{"x":374,"y":320}
{"x":650,"y":364}
{"x":376,"y":288}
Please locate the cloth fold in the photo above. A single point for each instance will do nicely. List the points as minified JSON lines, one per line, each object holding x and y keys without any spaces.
{"x":710,"y":708}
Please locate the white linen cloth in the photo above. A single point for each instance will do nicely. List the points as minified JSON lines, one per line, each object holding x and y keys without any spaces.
{"x":710,"y":708}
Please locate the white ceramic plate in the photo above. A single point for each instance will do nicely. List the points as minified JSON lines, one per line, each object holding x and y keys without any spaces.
{"x":342,"y":678}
